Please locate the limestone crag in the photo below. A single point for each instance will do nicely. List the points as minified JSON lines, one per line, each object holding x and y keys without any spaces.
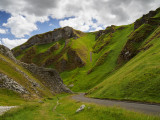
{"x":52,"y":36}
{"x":9,"y":83}
{"x":7,"y":52}
{"x":146,"y":19}
{"x":49,"y":77}
{"x":110,"y":29}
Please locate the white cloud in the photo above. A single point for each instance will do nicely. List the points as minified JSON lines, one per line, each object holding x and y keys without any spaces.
{"x":21,"y":26}
{"x":25,"y":13}
{"x":50,"y":24}
{"x":98,"y":28}
{"x":12,"y":43}
{"x":3,"y":31}
{"x":77,"y":23}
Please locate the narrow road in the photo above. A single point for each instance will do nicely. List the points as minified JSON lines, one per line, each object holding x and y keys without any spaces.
{"x":134,"y":106}
{"x":4,"y":109}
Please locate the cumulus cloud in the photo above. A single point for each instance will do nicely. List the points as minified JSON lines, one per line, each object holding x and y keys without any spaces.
{"x":25,"y":13}
{"x":20,"y":26}
{"x":12,"y":43}
{"x":3,"y":31}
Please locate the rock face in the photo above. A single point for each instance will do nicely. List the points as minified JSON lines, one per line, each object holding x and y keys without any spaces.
{"x":146,"y":19}
{"x":52,"y":36}
{"x":53,"y":50}
{"x":49,"y":77}
{"x":110,"y":29}
{"x":143,"y":27}
{"x":9,"y":83}
{"x":4,"y":109}
{"x":6,"y":52}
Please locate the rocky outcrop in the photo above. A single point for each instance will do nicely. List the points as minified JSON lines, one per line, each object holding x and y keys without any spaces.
{"x":71,"y":60}
{"x":138,"y":36}
{"x":6,"y":52}
{"x":146,"y":19}
{"x":52,"y":36}
{"x":9,"y":83}
{"x":110,"y":29}
{"x":49,"y":77}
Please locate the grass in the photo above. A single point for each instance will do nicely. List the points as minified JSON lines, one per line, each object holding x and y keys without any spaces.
{"x":66,"y":109}
{"x":9,"y":68}
{"x":137,"y":80}
{"x":8,"y":97}
{"x":83,"y":81}
{"x":43,"y":48}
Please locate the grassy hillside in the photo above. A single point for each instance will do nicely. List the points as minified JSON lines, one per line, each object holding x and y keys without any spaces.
{"x":102,"y":64}
{"x":8,"y":97}
{"x":138,"y":79}
{"x":14,"y":71}
{"x":120,"y":62}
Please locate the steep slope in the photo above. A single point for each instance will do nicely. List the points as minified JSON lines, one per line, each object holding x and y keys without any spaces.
{"x":104,"y":52}
{"x":138,"y":79}
{"x":18,"y":79}
{"x":119,"y":62}
{"x":83,"y":58}
{"x":51,"y":50}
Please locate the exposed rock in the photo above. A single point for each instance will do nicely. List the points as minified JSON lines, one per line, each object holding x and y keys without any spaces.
{"x":4,"y":109}
{"x":49,"y":77}
{"x":72,"y":60}
{"x":9,"y":83}
{"x":135,"y":39}
{"x":109,"y":29}
{"x":146,"y":19}
{"x":71,"y":85}
{"x":99,"y":33}
{"x":81,"y":108}
{"x":52,"y":36}
{"x":40,"y":101}
{"x":31,"y":82}
{"x":6,"y":52}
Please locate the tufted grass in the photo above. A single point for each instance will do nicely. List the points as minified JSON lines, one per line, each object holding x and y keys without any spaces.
{"x":66,"y":109}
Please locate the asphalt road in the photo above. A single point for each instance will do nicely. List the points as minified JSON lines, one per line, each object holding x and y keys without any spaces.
{"x":134,"y":106}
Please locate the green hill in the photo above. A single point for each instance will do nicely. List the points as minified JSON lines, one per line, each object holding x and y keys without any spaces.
{"x":120,"y":62}
{"x":18,"y":83}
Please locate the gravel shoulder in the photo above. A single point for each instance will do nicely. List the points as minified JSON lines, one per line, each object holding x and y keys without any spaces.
{"x":4,"y":109}
{"x":134,"y":106}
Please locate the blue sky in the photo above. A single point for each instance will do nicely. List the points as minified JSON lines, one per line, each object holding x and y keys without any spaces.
{"x":19,"y":20}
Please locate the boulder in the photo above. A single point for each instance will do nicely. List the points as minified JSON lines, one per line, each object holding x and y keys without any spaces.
{"x":81,"y":108}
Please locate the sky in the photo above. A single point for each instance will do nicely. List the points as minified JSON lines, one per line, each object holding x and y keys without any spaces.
{"x":21,"y":19}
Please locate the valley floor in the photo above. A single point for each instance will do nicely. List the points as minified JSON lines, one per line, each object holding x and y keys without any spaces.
{"x":63,"y":107}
